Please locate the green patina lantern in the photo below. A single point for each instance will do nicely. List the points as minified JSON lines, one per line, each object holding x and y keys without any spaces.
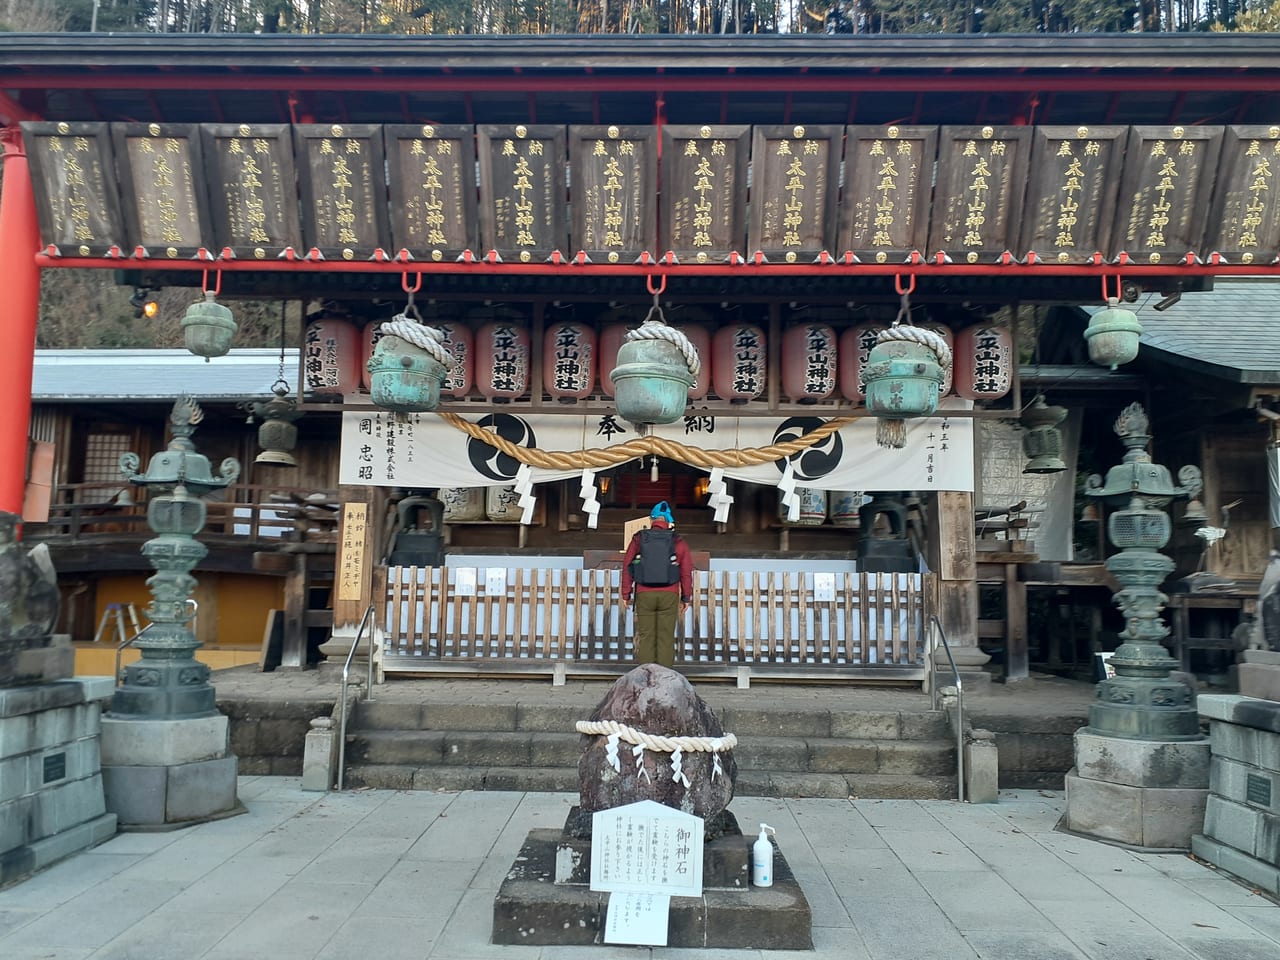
{"x":1112,"y":335}
{"x":1041,"y":438}
{"x":657,"y":364}
{"x":409,"y":365}
{"x":208,"y":327}
{"x":903,"y":378}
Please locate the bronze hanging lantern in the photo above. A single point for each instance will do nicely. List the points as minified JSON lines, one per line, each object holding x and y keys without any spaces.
{"x":277,"y":436}
{"x":1112,"y":335}
{"x":657,"y":366}
{"x":410,"y":363}
{"x":1041,"y":438}
{"x":904,"y":374}
{"x":208,"y":327}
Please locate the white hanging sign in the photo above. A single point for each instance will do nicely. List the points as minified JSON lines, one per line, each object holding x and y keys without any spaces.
{"x":421,"y":450}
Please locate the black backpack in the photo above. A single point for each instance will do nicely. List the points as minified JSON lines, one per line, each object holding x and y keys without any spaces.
{"x":656,"y":564}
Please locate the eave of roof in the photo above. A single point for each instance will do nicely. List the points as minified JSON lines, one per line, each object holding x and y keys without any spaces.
{"x":132,"y":375}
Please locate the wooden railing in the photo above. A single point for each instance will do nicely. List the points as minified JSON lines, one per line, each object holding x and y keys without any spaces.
{"x":529,"y":619}
{"x":253,"y":514}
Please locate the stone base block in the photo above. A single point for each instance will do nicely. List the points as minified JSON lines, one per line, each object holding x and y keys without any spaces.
{"x":1260,"y":680}
{"x":1142,"y":763}
{"x":1255,"y":872}
{"x":532,"y":909}
{"x":163,"y":742}
{"x":165,"y":797}
{"x":20,"y":862}
{"x":1145,"y":817}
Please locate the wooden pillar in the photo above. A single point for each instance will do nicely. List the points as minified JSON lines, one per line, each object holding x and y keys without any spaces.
{"x":20,"y":281}
{"x":950,"y":552}
{"x":1017,"y":660}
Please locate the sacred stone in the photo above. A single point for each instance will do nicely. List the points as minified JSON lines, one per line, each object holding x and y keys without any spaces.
{"x":655,"y":700}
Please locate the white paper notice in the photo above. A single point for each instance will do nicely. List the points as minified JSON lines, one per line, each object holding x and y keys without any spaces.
{"x":637,"y":918}
{"x":646,"y":847}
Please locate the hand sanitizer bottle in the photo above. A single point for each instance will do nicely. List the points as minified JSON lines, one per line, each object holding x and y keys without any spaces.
{"x":762,"y":858}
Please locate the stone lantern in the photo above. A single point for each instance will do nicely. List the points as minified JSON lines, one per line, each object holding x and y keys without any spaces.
{"x":164,"y":743}
{"x":1041,"y":438}
{"x":1112,"y":335}
{"x":208,"y":327}
{"x":1141,"y":773}
{"x":657,"y":365}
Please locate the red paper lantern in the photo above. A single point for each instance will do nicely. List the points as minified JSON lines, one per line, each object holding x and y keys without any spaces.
{"x":854,"y":349}
{"x":331,"y":357}
{"x":700,"y":337}
{"x":611,"y":338}
{"x":369,"y":338}
{"x":984,"y":362}
{"x":809,"y":362}
{"x":569,"y":360}
{"x":502,"y":360}
{"x":739,"y":362}
{"x":460,"y":342}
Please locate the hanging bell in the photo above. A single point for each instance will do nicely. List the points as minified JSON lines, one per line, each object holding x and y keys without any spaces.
{"x":1112,"y":335}
{"x":208,"y":327}
{"x":1041,"y":438}
{"x":408,"y":367}
{"x":277,"y":436}
{"x":903,"y":377}
{"x":657,"y":366}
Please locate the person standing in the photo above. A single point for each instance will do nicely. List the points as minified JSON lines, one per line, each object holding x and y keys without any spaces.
{"x":657,"y":580}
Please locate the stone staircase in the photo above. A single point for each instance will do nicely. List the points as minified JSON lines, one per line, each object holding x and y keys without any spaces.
{"x":781,"y":753}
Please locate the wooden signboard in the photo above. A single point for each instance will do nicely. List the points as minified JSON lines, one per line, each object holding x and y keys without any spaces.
{"x":432,"y":169}
{"x":1071,"y":199}
{"x":795,"y":179}
{"x":73,"y":179}
{"x":614,"y":174}
{"x":342,"y":179}
{"x":884,"y":214}
{"x":351,"y":551}
{"x":704,"y":191}
{"x":1244,"y":222}
{"x":162,"y":189}
{"x":1164,"y":194}
{"x":977,"y":206}
{"x":522,"y":190}
{"x":253,"y":199}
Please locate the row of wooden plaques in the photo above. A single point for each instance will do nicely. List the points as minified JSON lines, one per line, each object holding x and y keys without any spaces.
{"x":789,"y":192}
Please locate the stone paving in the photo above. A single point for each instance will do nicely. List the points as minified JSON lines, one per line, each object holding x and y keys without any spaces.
{"x":394,"y":875}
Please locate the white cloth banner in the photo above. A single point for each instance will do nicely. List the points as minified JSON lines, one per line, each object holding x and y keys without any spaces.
{"x":421,"y":450}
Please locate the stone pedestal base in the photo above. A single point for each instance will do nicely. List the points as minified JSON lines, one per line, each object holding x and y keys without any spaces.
{"x":546,"y":899}
{"x":1143,"y":793}
{"x":51,"y":794}
{"x":164,"y":774}
{"x":1258,"y":674}
{"x":1242,"y":820}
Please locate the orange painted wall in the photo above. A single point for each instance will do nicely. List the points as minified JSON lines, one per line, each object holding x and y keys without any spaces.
{"x":233,"y":607}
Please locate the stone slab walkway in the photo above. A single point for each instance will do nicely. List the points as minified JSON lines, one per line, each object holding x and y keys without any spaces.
{"x":392,"y":875}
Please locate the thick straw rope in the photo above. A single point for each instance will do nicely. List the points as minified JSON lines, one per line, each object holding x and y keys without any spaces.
{"x":643,"y":447}
{"x":649,"y":741}
{"x":654,"y":328}
{"x":420,"y":335}
{"x":934,"y":341}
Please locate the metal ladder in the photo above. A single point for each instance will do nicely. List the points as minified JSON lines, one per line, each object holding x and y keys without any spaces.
{"x":118,"y":611}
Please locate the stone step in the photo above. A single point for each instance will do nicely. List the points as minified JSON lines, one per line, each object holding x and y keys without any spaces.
{"x":473,"y":748}
{"x":753,"y":783}
{"x":536,"y":718}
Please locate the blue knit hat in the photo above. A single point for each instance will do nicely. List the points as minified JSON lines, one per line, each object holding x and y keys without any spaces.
{"x":661,"y":511}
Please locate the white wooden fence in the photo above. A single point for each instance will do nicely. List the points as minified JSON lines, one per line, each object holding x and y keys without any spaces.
{"x":513,"y":619}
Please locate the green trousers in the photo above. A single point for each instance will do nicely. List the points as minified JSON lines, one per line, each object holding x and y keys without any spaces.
{"x":656,"y":612}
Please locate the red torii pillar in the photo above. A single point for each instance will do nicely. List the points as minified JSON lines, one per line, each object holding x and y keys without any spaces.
{"x":20,"y":299}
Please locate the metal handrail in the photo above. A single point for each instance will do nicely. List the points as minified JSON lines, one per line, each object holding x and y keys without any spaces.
{"x":933,"y":695}
{"x":366,"y":620}
{"x":129,"y":642}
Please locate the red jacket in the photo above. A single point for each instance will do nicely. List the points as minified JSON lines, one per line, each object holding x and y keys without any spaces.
{"x":683,"y":556}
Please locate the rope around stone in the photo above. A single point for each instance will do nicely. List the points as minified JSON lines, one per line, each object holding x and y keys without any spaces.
{"x":655,"y":328}
{"x":608,"y":728}
{"x":643,"y":447}
{"x":430,"y":339}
